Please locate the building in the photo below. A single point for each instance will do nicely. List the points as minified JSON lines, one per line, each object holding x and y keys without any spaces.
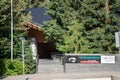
{"x":38,"y":17}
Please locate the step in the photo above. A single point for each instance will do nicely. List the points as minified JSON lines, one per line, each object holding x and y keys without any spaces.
{"x":79,"y":76}
{"x":50,"y":66}
{"x":48,"y":61}
{"x":42,"y":69}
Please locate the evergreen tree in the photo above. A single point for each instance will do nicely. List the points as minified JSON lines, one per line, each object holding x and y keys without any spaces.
{"x":19,"y":18}
{"x":73,"y":39}
{"x":101,"y":22}
{"x":66,"y":25}
{"x":36,"y":3}
{"x":4,"y":28}
{"x":99,"y":18}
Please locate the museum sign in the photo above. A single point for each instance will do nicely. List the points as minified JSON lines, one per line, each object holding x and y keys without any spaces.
{"x":89,"y":59}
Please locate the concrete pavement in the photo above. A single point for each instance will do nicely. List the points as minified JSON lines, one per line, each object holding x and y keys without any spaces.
{"x":87,"y":79}
{"x":53,"y":70}
{"x":74,"y":76}
{"x":50,"y":66}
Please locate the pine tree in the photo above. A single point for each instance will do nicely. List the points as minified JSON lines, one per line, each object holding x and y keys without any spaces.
{"x":36,"y":3}
{"x":100,"y":19}
{"x":73,"y":40}
{"x":19,"y":18}
{"x":4,"y":28}
{"x":101,"y":22}
{"x":65,"y":26}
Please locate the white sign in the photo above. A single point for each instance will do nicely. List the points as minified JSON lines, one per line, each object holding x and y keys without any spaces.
{"x":117,"y":39}
{"x":107,"y":59}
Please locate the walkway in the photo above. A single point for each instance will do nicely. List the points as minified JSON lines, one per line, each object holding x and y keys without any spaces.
{"x":49,"y":66}
{"x":83,"y":76}
{"x":53,"y":70}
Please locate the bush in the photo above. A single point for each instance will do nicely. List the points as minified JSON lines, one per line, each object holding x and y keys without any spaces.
{"x":30,"y":67}
{"x":8,"y":67}
{"x":13,"y":67}
{"x":2,"y":67}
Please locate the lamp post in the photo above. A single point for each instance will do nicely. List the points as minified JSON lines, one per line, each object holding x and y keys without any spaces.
{"x":11,"y":30}
{"x":23,"y":50}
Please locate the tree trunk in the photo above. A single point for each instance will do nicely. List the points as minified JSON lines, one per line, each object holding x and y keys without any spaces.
{"x":107,"y":10}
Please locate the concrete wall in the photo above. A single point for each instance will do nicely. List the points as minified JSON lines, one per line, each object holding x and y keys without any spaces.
{"x":106,"y":67}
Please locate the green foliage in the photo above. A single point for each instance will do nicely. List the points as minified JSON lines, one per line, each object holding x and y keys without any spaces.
{"x":97,"y":21}
{"x":8,"y":67}
{"x":29,"y":61}
{"x":73,"y":39}
{"x":4,"y":47}
{"x":35,"y":3}
{"x":30,"y":65}
{"x":19,"y":18}
{"x":101,"y":22}
{"x":2,"y":67}
{"x":4,"y":13}
{"x":13,"y":67}
{"x":4,"y":28}
{"x":19,"y":14}
{"x":53,"y":31}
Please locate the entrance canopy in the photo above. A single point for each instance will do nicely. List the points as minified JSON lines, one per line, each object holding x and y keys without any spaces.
{"x":44,"y":49}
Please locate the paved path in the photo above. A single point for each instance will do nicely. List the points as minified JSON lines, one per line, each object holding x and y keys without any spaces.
{"x":53,"y":70}
{"x":83,"y":76}
{"x":50,"y":66}
{"x":87,"y":79}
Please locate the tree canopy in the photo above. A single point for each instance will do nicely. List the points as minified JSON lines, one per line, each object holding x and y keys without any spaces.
{"x":19,"y":18}
{"x":89,"y":24}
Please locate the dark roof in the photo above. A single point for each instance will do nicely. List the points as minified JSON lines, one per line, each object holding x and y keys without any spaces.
{"x":38,"y":15}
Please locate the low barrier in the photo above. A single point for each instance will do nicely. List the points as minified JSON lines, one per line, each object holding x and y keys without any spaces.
{"x":75,"y":63}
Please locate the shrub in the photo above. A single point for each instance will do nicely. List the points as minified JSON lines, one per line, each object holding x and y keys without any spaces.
{"x":30,"y":67}
{"x":8,"y":67}
{"x":13,"y":67}
{"x":2,"y":67}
